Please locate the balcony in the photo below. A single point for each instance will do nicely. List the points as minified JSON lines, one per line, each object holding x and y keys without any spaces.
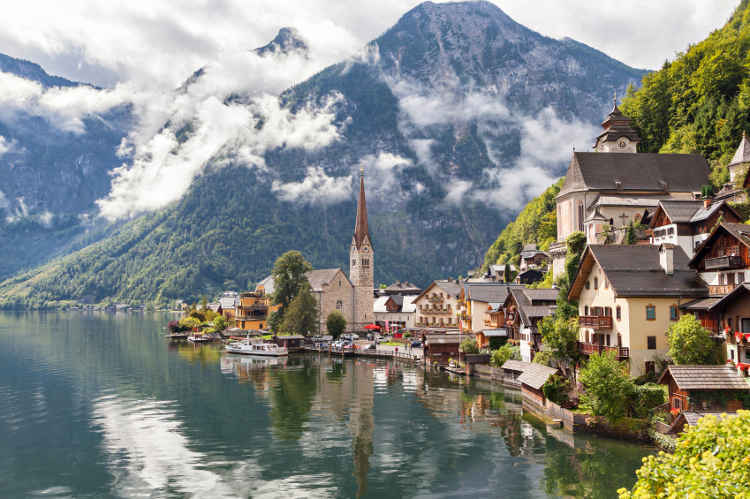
{"x":724,"y":262}
{"x":722,"y":289}
{"x":595,"y":321}
{"x":589,"y":348}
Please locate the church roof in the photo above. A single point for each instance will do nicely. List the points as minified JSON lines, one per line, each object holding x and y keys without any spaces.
{"x":617,"y":125}
{"x":743,"y":152}
{"x":319,"y":277}
{"x":361,"y":229}
{"x":615,"y":171}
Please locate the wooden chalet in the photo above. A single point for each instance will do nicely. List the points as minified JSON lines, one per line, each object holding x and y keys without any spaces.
{"x":524,"y":309}
{"x":441,"y":348}
{"x":293,"y":342}
{"x":532,"y":379}
{"x":687,"y":223}
{"x":695,"y":387}
{"x":723,"y":259}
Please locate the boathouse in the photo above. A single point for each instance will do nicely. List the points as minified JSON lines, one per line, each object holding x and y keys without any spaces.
{"x":704,"y":388}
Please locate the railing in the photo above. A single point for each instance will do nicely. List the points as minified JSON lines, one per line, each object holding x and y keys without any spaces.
{"x":724,"y":262}
{"x":589,"y":348}
{"x":722,"y":289}
{"x":595,"y":321}
{"x":710,"y":324}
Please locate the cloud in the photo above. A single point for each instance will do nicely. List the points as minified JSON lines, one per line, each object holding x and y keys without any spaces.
{"x":316,"y":188}
{"x":7,"y":146}
{"x":221,"y":132}
{"x":383,"y":168}
{"x":63,"y":107}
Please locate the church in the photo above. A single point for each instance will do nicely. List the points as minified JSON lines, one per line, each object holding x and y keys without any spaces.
{"x":353,"y":296}
{"x":607,"y":189}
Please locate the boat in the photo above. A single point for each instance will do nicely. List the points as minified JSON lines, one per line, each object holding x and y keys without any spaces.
{"x":247,"y":348}
{"x":200,"y":338}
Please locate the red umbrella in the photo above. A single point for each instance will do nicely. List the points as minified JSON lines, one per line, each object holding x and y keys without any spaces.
{"x":372,"y":326}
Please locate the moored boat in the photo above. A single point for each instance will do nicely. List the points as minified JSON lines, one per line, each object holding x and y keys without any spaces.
{"x":200,"y":338}
{"x":247,"y":348}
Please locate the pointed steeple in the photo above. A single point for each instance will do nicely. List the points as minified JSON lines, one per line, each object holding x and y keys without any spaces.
{"x":743,"y":152}
{"x":361,"y":230}
{"x":619,"y":134}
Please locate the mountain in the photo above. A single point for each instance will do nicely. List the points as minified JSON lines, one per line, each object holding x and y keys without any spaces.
{"x":51,"y":174}
{"x":457,"y":113}
{"x":286,"y":41}
{"x":700,"y":102}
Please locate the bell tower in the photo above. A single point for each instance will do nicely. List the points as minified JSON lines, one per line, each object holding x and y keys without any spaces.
{"x":619,"y":134}
{"x":362,"y":263}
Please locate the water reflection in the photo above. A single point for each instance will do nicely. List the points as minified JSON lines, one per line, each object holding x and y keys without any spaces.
{"x":97,"y":406}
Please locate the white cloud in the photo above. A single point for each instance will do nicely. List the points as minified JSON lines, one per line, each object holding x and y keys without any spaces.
{"x":383,"y":168}
{"x":316,"y":188}
{"x":6,"y":145}
{"x":63,"y":107}
{"x":163,"y":167}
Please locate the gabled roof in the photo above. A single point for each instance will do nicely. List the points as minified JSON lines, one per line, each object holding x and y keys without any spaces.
{"x":736,"y":293}
{"x":635,"y":172}
{"x":379,"y":305}
{"x":401,"y":287}
{"x":448,"y":286}
{"x":319,"y":277}
{"x":692,"y":418}
{"x":515,"y":365}
{"x":698,"y":377}
{"x":690,"y":211}
{"x":741,"y":232}
{"x":488,"y":292}
{"x":408,"y":306}
{"x":535,"y":375}
{"x":634,"y":270}
{"x":527,"y":309}
{"x":742,"y":155}
{"x":268,"y":284}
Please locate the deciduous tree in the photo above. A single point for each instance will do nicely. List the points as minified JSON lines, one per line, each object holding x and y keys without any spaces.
{"x":301,"y":316}
{"x":336,"y":324}
{"x":690,"y":343}
{"x":607,"y":386}
{"x":289,"y":275}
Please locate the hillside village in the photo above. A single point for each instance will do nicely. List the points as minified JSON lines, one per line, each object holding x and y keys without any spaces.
{"x":641,"y":244}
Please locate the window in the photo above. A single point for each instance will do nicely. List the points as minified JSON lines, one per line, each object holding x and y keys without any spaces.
{"x":339,"y":282}
{"x":677,"y":403}
{"x":650,"y":313}
{"x":596,"y":283}
{"x":651,"y":340}
{"x":745,"y":325}
{"x":365,"y":262}
{"x":673,"y":313}
{"x":618,"y":312}
{"x":731,"y":355}
{"x":588,"y":285}
{"x":606,"y":283}
{"x":586,"y":310}
{"x":608,"y":339}
{"x":354,"y":263}
{"x":729,"y":323}
{"x":650,"y":367}
{"x":339,"y":305}
{"x":740,"y":277}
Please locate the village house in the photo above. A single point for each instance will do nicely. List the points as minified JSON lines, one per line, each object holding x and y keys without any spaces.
{"x":701,"y":388}
{"x":533,"y":258}
{"x":402,"y":288}
{"x":524,"y":309}
{"x":723,"y":260}
{"x":438,"y":305}
{"x":252,"y":310}
{"x":687,"y":223}
{"x":480,"y":310}
{"x":393,"y":312}
{"x":228,"y":302}
{"x":441,"y":348}
{"x":529,"y":276}
{"x":606,"y":190}
{"x":628,"y":296}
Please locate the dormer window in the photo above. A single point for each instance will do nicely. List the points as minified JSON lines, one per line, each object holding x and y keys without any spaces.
{"x":354,"y":263}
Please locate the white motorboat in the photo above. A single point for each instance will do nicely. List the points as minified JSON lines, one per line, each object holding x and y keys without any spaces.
{"x":200,"y":338}
{"x":247,"y":348}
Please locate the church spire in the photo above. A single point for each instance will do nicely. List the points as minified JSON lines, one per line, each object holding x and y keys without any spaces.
{"x":361,"y":230}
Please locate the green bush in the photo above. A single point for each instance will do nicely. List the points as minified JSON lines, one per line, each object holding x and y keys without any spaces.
{"x":646,"y":397}
{"x":505,"y":353}
{"x":469,"y":345}
{"x":710,"y":460}
{"x":556,"y":389}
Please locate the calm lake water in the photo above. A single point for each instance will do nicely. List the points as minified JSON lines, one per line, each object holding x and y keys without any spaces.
{"x":102,"y":406}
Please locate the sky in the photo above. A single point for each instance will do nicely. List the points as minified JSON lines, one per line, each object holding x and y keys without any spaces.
{"x":158,"y":43}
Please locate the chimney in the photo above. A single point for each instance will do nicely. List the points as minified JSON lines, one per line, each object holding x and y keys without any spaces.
{"x":706,"y":203}
{"x":666,"y":258}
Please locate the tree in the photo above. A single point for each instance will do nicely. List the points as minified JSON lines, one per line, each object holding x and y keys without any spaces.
{"x":630,"y":234}
{"x":508,"y":273}
{"x":220,"y":323}
{"x":505,"y":353}
{"x":289,"y":275}
{"x":560,"y":334}
{"x":710,"y":460}
{"x":301,"y":316}
{"x":690,"y":343}
{"x":607,"y":386}
{"x":335,"y":323}
{"x":469,"y":345}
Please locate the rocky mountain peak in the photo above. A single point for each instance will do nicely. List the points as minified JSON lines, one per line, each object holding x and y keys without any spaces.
{"x":287,"y":41}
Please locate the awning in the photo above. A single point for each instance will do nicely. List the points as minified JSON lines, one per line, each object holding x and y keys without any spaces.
{"x":491,"y":333}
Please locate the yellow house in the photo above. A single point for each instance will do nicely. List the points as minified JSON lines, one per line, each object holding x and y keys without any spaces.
{"x":628,"y":296}
{"x":253,"y":310}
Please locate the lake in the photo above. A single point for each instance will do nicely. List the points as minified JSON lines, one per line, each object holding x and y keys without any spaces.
{"x":100,"y":405}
